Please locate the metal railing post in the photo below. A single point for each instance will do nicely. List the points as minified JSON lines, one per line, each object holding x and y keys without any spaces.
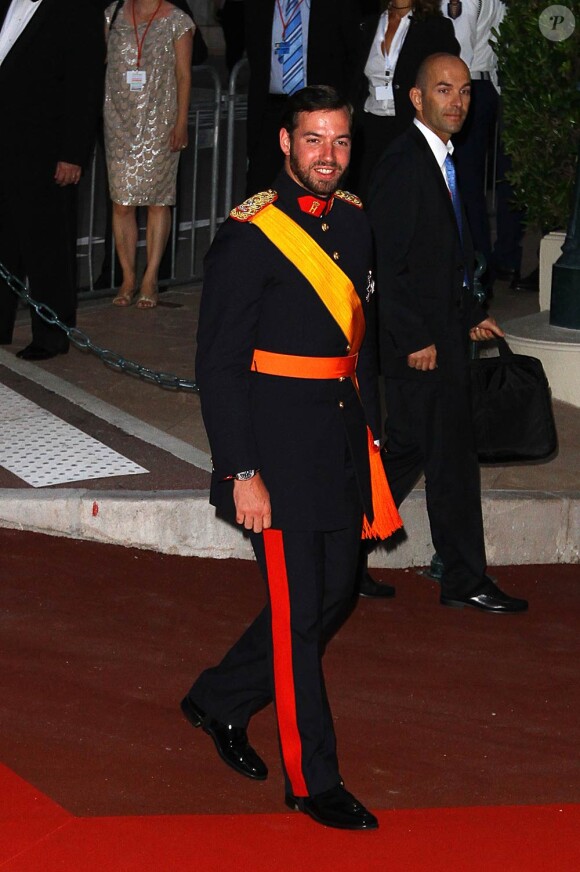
{"x":231,"y":134}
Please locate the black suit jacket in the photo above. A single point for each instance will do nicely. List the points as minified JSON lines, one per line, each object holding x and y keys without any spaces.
{"x":420,"y":262}
{"x":298,"y":432}
{"x":51,"y":87}
{"x":331,"y":49}
{"x":425,"y":36}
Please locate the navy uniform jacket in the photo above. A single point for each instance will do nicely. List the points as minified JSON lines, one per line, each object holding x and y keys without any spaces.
{"x":421,"y":262}
{"x":292,"y":429}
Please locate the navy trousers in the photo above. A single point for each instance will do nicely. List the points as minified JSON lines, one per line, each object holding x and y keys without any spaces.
{"x":310,"y":580}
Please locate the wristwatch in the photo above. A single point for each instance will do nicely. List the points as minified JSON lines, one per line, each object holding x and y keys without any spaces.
{"x":246,"y":475}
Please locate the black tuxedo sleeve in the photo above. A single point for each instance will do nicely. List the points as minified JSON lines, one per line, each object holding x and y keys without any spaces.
{"x":444,"y":39}
{"x":83,"y":71}
{"x":394,"y":211}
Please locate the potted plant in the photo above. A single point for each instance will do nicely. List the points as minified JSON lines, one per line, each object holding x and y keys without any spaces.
{"x":539,"y":77}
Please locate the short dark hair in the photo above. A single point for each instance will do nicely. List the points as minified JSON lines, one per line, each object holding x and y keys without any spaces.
{"x":313,"y":98}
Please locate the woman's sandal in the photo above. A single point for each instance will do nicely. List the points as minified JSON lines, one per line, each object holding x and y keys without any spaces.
{"x":144,"y":301}
{"x":124,"y":298}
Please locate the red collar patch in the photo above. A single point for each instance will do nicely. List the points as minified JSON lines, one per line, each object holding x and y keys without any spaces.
{"x":313,"y":206}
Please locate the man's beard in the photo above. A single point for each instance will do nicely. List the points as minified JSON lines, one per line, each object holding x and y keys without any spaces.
{"x":313,"y":183}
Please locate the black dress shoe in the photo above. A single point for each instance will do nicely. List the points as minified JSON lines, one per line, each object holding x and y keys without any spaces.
{"x":231,"y":742}
{"x":531,"y":282}
{"x":489,"y":598}
{"x":505,"y":273}
{"x":37,"y":352}
{"x":376,"y":589}
{"x":334,"y":808}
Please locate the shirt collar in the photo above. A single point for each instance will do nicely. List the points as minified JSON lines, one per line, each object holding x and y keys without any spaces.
{"x":437,"y":146}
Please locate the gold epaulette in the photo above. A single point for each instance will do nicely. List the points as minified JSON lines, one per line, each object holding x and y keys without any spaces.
{"x":349,"y":198}
{"x":250,"y":207}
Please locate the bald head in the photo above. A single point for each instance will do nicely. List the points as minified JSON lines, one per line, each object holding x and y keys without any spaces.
{"x":441,"y":94}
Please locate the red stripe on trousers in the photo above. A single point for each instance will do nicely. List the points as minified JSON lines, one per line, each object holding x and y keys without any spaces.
{"x":282,"y":655}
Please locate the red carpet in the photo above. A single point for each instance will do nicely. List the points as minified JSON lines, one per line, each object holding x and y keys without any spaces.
{"x":36,"y":834}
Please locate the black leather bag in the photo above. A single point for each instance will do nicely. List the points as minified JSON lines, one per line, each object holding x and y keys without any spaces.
{"x":512,"y":408}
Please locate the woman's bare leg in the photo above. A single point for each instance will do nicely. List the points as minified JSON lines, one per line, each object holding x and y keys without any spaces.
{"x":158,"y":228}
{"x":125,"y":233}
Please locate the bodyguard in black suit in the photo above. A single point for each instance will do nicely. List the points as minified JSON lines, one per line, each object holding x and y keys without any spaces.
{"x":330,"y":44}
{"x":427,"y":313}
{"x":50,"y":99}
{"x":290,"y":444}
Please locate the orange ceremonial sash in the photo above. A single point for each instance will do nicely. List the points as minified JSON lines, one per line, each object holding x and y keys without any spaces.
{"x":337,"y":292}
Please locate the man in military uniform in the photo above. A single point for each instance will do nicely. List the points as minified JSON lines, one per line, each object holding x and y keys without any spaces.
{"x":288,"y":388}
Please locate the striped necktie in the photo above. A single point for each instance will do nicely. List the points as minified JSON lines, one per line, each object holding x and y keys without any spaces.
{"x":293,"y":66}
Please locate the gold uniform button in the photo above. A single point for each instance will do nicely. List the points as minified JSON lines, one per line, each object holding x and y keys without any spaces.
{"x":341,"y":378}
{"x":335,"y":255}
{"x":325,"y":227}
{"x":348,"y":348}
{"x":341,"y":405}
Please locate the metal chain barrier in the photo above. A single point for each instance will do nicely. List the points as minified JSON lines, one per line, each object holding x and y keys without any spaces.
{"x":84,"y":343}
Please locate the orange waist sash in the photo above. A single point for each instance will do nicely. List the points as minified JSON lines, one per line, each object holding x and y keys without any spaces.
{"x":295,"y":366}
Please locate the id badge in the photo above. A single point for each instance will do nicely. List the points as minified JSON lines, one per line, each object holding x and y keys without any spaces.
{"x":281,"y":49}
{"x":136,"y":79}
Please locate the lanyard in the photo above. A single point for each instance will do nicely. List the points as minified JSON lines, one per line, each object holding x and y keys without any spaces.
{"x":284,"y":22}
{"x":141,"y":42}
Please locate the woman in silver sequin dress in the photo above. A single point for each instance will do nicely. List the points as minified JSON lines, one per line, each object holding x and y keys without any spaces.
{"x":146,"y":104}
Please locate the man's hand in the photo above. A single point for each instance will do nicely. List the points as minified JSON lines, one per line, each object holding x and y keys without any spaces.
{"x":485,"y":330}
{"x":252,"y":502}
{"x":67,"y":174}
{"x":425,"y":359}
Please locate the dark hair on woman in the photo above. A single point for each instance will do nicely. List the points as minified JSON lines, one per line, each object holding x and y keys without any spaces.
{"x":425,"y":8}
{"x":421,"y":8}
{"x":313,"y":98}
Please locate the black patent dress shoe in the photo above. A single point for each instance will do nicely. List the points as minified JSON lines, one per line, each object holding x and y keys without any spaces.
{"x":375,"y":589}
{"x":37,"y":352}
{"x":489,"y":598}
{"x":334,"y":808}
{"x":231,"y":742}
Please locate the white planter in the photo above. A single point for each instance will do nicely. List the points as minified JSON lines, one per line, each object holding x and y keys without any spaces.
{"x":550,"y":251}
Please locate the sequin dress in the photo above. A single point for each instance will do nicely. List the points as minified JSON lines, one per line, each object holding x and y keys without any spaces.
{"x":142,"y":169}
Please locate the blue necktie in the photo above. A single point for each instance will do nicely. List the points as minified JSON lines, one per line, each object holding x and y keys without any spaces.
{"x":293,"y":66}
{"x":452,"y":182}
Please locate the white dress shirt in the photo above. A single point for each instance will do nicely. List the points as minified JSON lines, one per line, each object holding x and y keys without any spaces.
{"x":19,"y":14}
{"x":437,"y":146}
{"x":380,"y":68}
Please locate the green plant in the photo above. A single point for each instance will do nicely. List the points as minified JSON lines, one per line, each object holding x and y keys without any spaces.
{"x":541,"y":111}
